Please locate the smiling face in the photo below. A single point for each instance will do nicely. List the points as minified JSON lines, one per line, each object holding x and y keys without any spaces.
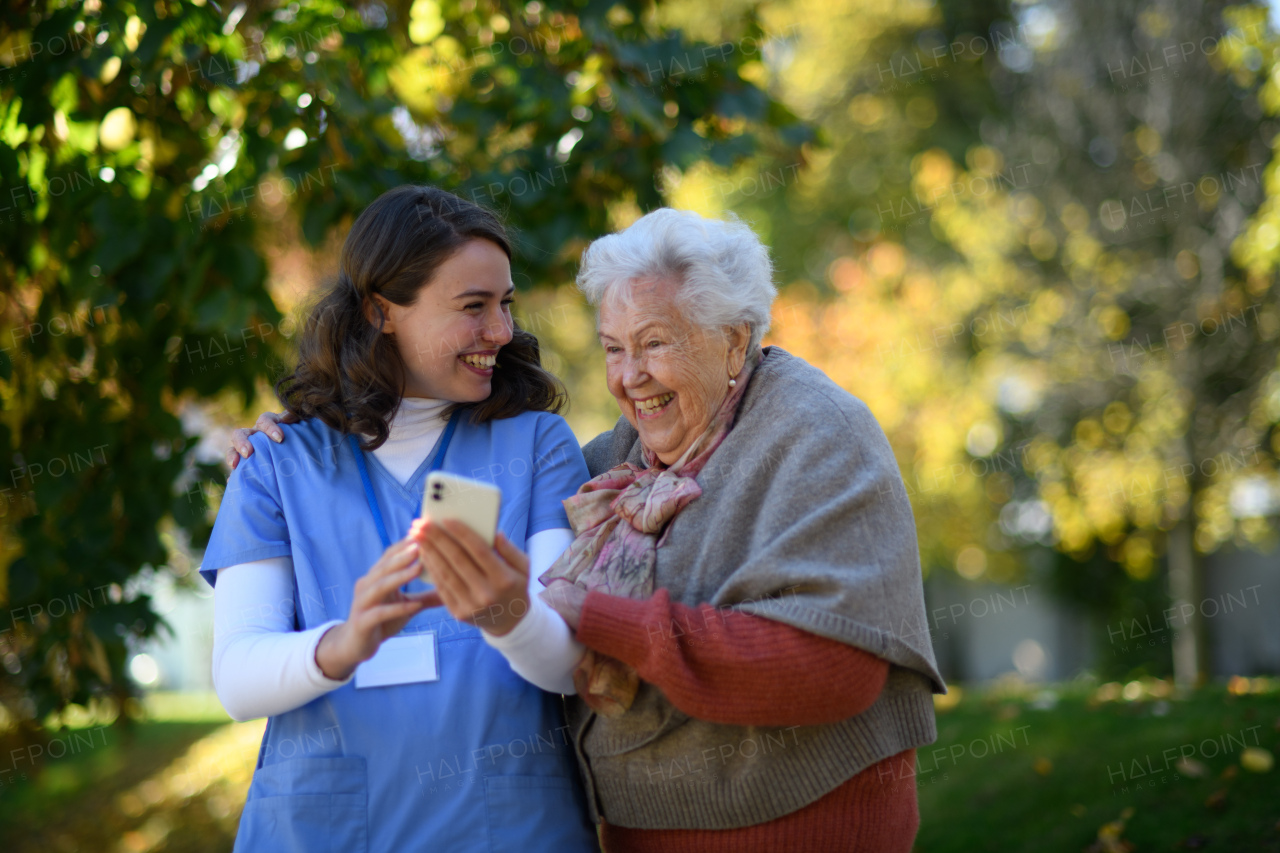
{"x":668,"y":374}
{"x":450,"y":336}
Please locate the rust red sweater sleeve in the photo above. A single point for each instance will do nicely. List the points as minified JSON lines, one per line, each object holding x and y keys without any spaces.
{"x":726,"y":666}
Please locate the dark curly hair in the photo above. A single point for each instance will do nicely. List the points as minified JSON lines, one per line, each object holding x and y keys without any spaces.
{"x":349,"y":374}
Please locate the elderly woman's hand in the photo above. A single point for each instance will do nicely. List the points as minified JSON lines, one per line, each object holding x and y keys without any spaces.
{"x":266,"y":422}
{"x":566,"y":599}
{"x":483,"y":586}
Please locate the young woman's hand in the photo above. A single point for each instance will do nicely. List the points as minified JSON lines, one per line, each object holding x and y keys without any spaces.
{"x":378,"y":611}
{"x":483,"y":586}
{"x":266,"y":422}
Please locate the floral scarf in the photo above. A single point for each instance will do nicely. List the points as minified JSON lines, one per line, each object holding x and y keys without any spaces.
{"x":619,"y":520}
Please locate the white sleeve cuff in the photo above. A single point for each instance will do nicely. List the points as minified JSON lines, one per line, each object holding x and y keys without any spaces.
{"x":315,"y":675}
{"x":541,"y":649}
{"x":530,"y":628}
{"x":261,"y":666}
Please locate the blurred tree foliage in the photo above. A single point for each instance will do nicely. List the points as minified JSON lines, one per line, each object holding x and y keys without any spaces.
{"x":146,"y":151}
{"x":1028,"y":247}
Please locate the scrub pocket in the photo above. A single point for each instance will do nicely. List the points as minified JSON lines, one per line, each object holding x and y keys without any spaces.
{"x":316,"y":805}
{"x":537,"y":813}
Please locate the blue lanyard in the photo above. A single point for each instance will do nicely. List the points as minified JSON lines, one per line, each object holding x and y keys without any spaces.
{"x":368,"y":484}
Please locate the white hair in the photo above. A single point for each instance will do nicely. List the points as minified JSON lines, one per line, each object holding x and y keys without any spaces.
{"x":720,"y":267}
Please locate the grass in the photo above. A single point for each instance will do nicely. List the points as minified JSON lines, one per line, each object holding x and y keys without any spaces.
{"x":172,"y":782}
{"x":1082,"y":768}
{"x":1072,"y":768}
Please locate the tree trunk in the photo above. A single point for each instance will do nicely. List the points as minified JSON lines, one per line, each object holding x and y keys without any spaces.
{"x":1184,"y":590}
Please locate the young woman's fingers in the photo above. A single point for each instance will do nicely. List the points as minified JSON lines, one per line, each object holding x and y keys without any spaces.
{"x":378,"y":589}
{"x":443,"y":585}
{"x":445,"y":578}
{"x":475,"y":575}
{"x":515,"y":558}
{"x":430,"y":598}
{"x":450,"y":601}
{"x":428,"y":553}
{"x":372,"y":617}
{"x":387,"y":612}
{"x":466,"y":597}
{"x":393,"y":559}
{"x":458,"y":607}
{"x":475,"y":548}
{"x":398,"y":563}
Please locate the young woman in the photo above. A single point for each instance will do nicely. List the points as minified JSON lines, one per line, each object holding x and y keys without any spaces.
{"x":392,"y":725}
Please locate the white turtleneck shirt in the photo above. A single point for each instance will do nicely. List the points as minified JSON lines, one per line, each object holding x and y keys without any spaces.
{"x":262,"y":667}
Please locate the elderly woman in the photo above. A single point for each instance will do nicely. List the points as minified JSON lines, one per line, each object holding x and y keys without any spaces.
{"x":744,"y":579}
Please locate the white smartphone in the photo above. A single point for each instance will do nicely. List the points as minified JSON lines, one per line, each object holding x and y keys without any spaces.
{"x":473,"y":502}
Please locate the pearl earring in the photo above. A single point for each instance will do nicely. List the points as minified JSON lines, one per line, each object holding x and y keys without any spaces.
{"x":733,"y":382}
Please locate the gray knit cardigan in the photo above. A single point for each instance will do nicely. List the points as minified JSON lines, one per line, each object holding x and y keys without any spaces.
{"x":803,"y":519}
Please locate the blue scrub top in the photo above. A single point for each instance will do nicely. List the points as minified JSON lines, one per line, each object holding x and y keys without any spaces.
{"x":479,"y":760}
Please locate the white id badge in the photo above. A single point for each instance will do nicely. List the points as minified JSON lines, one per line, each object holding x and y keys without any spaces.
{"x":406,"y":659}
